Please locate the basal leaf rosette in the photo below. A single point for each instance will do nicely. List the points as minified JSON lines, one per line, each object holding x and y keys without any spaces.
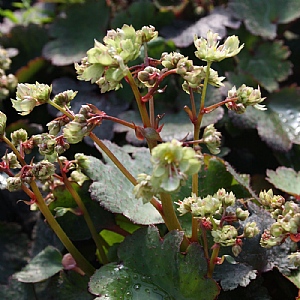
{"x":172,"y":164}
{"x":106,"y":63}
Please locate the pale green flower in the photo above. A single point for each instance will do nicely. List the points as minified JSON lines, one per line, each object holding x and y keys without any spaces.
{"x":209,"y":49}
{"x":172,"y":164}
{"x":28,"y":96}
{"x":3,"y":119}
{"x":212,"y":139}
{"x":226,"y":236}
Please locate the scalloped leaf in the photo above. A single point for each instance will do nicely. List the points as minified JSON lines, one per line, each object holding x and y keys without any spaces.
{"x":262,"y":16}
{"x":29,"y":40}
{"x":279,"y":125}
{"x":267,"y":64}
{"x":135,"y":15}
{"x":69,"y":45}
{"x":217,"y":21}
{"x":154,"y":268}
{"x":114,"y":192}
{"x":43,"y":266}
{"x":285,"y":179}
{"x":74,"y":225}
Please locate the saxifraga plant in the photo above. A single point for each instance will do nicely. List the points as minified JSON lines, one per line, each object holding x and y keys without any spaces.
{"x":217,"y":220}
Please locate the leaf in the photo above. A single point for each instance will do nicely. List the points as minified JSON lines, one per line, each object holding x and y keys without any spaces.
{"x":267,"y":64}
{"x":233,"y":275}
{"x":217,"y":21}
{"x":43,"y":266}
{"x":70,"y":286}
{"x":12,"y":237}
{"x":269,"y":124}
{"x":136,"y":16}
{"x":29,"y":40}
{"x":285,"y":179}
{"x":294,"y":277}
{"x":262,"y":16}
{"x":26,"y":73}
{"x":69,"y":45}
{"x":74,"y":225}
{"x":156,"y":269}
{"x":112,"y":189}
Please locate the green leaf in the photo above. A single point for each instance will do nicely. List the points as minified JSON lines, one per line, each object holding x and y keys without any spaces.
{"x":294,"y":277}
{"x":262,"y":16}
{"x":285,"y":179}
{"x":69,"y":44}
{"x":43,"y":266}
{"x":114,"y":192}
{"x":218,"y":20}
{"x":154,"y":268}
{"x":267,"y":64}
{"x":11,"y":237}
{"x":75,"y":225}
{"x":277,"y":126}
{"x":136,"y":16}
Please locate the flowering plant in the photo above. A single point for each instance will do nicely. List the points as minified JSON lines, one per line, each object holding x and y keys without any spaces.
{"x":210,"y":228}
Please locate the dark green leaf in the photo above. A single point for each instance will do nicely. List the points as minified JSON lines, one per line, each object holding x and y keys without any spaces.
{"x":267,"y":64}
{"x":156,"y":269}
{"x":285,"y":179}
{"x":11,"y":237}
{"x":114,"y":191}
{"x":262,"y":16}
{"x":217,"y":21}
{"x":74,"y":34}
{"x":136,"y":16}
{"x":43,"y":266}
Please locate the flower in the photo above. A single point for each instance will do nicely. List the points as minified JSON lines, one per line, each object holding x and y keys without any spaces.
{"x":3,"y":119}
{"x":172,"y":164}
{"x":28,"y":96}
{"x":143,"y":189}
{"x":212,"y":139}
{"x":226,"y":236}
{"x":246,"y":96}
{"x":209,"y":49}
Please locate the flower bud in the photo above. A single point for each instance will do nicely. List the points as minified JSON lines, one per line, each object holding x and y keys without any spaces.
{"x":236,"y":250}
{"x":63,"y":99}
{"x":14,"y":184}
{"x":78,"y":177}
{"x":251,"y":230}
{"x":19,"y":136}
{"x":11,"y":160}
{"x":43,"y":170}
{"x":242,"y":214}
{"x":143,"y":189}
{"x":149,"y":76}
{"x":212,"y":139}
{"x":148,"y":33}
{"x":2,"y":123}
{"x":205,"y":207}
{"x":295,"y":259}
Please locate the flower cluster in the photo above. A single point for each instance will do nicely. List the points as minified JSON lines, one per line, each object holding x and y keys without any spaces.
{"x":212,"y":213}
{"x":7,"y":82}
{"x":193,"y":75}
{"x":244,"y":96}
{"x":29,"y":96}
{"x":82,"y":124}
{"x":209,"y":49}
{"x":287,"y":223}
{"x":106,"y":63}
